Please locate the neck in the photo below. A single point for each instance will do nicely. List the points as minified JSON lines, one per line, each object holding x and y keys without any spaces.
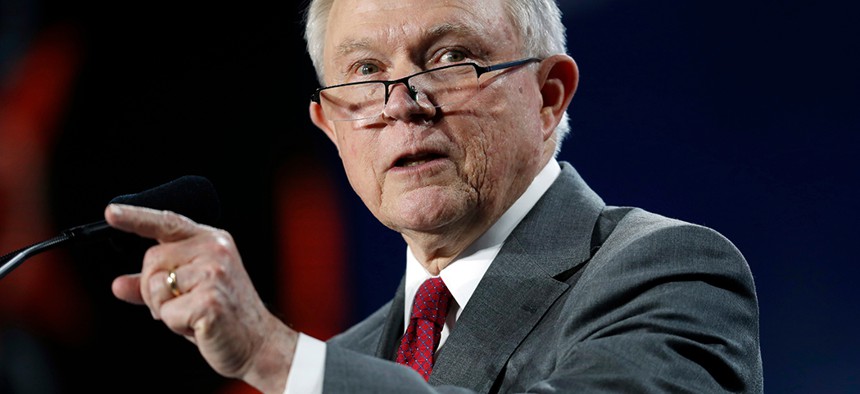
{"x":437,"y":250}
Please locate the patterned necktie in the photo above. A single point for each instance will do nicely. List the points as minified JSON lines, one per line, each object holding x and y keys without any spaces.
{"x":429,"y":310}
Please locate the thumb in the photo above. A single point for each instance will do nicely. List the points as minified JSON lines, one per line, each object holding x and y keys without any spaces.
{"x":127,"y":288}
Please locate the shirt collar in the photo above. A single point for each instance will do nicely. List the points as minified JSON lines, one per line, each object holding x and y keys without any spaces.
{"x":465,"y":272}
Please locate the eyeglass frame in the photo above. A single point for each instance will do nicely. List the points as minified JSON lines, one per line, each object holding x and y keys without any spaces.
{"x":479,"y":70}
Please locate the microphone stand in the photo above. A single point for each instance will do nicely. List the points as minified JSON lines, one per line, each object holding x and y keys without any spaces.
{"x":190,"y":195}
{"x":12,"y":260}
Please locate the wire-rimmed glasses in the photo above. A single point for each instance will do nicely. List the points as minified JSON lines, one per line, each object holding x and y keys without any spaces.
{"x":441,"y":87}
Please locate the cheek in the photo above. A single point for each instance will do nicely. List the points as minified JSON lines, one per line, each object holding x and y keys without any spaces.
{"x":504,"y":126}
{"x":519,"y":123}
{"x":504,"y":138}
{"x":358,"y":163}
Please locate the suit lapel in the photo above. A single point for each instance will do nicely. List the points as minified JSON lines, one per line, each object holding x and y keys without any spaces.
{"x":393,"y":328}
{"x":520,"y":285}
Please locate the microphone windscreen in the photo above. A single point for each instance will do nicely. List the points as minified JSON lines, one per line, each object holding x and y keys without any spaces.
{"x":191,"y":196}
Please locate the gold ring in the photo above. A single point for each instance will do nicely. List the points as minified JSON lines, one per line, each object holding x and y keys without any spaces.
{"x":171,"y":281}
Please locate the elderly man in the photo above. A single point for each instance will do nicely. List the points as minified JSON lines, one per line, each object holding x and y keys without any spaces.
{"x":447,"y":116}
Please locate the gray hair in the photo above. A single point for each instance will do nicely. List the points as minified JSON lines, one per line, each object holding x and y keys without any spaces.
{"x":538,"y":21}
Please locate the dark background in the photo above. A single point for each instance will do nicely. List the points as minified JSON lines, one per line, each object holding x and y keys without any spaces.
{"x":738,"y":115}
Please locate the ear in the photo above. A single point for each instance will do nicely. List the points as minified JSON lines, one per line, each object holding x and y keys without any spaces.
{"x":559,"y":77}
{"x":318,"y":117}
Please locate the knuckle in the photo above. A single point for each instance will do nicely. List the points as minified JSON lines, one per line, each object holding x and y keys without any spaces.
{"x":221,"y":245}
{"x":224,"y":240}
{"x":212,"y":301}
{"x":154,"y":284}
{"x":172,"y":224}
{"x":152,"y":256}
{"x":214,"y":272}
{"x":175,"y":321}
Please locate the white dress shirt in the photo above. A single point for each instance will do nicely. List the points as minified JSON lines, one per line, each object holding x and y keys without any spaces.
{"x":461,"y":277}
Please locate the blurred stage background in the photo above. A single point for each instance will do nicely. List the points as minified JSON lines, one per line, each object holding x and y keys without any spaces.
{"x":742,"y":116}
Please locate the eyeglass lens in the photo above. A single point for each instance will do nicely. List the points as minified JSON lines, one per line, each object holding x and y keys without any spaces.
{"x":439,"y":88}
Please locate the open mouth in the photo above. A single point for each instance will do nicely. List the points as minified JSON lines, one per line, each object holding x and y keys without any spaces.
{"x":415,"y":160}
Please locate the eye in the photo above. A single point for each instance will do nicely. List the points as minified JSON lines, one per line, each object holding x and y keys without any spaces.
{"x":453,"y":57}
{"x":367,"y":69}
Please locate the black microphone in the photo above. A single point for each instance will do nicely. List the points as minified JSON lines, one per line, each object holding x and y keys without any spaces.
{"x":191,"y":196}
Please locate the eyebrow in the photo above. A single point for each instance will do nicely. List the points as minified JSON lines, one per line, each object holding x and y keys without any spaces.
{"x":434,"y":32}
{"x":349,"y":46}
{"x":458,"y":29}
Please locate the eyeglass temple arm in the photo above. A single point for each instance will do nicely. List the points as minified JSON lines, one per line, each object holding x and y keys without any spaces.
{"x":501,"y":66}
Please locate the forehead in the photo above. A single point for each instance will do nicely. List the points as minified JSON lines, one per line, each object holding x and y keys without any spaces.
{"x":392,"y":25}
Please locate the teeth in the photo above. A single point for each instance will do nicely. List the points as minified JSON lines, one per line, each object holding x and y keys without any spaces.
{"x":415,"y":163}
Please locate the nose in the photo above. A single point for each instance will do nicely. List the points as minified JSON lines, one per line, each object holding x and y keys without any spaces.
{"x":405,"y":103}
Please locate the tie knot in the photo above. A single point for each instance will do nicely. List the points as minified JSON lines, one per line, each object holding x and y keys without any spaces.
{"x":431,"y":301}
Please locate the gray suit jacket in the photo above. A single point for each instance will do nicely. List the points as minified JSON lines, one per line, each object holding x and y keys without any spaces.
{"x":583,"y":297}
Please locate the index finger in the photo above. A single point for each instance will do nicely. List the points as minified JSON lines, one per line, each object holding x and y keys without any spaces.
{"x":162,"y":226}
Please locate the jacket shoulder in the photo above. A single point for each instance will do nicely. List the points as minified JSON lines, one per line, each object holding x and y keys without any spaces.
{"x":635,"y":228}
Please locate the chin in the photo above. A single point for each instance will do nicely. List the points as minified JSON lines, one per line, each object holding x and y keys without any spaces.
{"x":429,"y":215}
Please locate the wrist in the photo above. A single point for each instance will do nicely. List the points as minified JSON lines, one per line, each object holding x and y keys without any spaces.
{"x":272,"y":362}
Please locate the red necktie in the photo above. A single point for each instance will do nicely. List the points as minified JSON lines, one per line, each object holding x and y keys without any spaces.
{"x":429,"y":310}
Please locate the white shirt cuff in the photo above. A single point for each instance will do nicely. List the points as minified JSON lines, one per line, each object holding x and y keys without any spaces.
{"x":308,"y":369}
